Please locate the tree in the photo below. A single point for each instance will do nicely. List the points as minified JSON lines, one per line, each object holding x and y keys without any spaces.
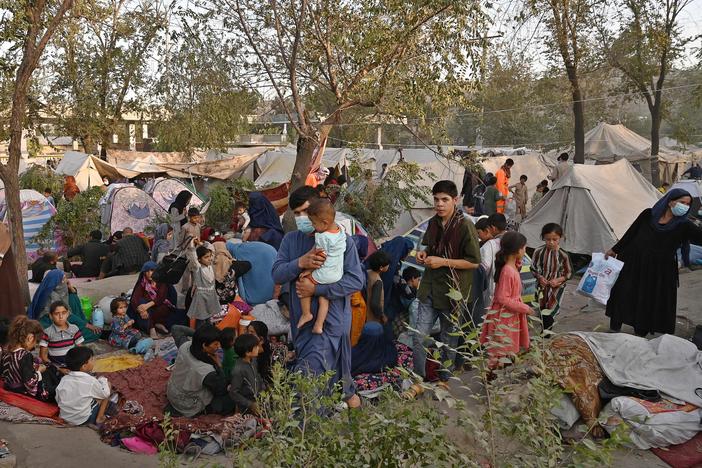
{"x":648,"y":43}
{"x":26,"y":29}
{"x":201,"y":103}
{"x":395,"y":58}
{"x":99,"y":64}
{"x":568,"y":23}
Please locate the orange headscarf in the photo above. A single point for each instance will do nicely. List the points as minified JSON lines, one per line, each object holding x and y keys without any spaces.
{"x":70,"y":188}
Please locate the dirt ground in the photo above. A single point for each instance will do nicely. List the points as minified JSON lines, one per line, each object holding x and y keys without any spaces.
{"x":39,"y":446}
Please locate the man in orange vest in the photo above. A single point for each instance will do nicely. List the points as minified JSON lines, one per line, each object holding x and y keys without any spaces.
{"x":503,"y":174}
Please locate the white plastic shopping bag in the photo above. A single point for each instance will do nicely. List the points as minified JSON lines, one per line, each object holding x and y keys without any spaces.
{"x":599,"y":278}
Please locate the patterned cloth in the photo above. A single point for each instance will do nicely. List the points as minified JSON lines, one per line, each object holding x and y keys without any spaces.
{"x":16,"y":415}
{"x":391,"y":376}
{"x":122,"y":334}
{"x":578,"y":373}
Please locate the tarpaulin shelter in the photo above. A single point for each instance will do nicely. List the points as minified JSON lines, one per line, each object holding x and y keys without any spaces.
{"x":222,"y":169}
{"x":89,"y":170}
{"x":164,"y":191}
{"x":129,"y":206}
{"x":607,"y":143}
{"x":594,"y":204}
{"x":36,"y":212}
{"x":277,"y":165}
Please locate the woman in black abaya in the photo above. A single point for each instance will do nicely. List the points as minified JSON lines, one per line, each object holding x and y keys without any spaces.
{"x":645,"y":295}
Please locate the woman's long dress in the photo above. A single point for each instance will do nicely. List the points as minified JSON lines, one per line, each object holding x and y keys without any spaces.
{"x":645,"y":294}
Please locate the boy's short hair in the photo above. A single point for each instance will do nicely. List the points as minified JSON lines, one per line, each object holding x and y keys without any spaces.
{"x":226,"y":338}
{"x":509,"y":162}
{"x":492,"y":180}
{"x":445,"y":186}
{"x":50,"y":256}
{"x":47,"y":190}
{"x":245,"y":344}
{"x":482,"y":224}
{"x":201,"y":251}
{"x":321,"y":208}
{"x":410,"y":273}
{"x":523,"y":177}
{"x":96,"y":235}
{"x":77,"y":357}
{"x":55,"y":305}
{"x":378,"y":260}
{"x":498,"y":221}
{"x":193,"y":211}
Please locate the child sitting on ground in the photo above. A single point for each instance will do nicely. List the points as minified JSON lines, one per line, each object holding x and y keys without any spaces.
{"x":505,"y":329}
{"x":331,"y":239}
{"x":123,"y":335}
{"x":59,"y":337}
{"x":551,"y":267}
{"x":21,"y":373}
{"x":205,"y":302}
{"x":246,"y":382}
{"x":82,"y":398}
{"x":226,"y":340}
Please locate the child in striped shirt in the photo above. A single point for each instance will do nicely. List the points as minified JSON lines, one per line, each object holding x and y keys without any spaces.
{"x":59,"y":337}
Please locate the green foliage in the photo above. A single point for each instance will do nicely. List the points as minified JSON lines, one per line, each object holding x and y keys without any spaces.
{"x":75,"y":219}
{"x":223,"y":196}
{"x":305,"y":430}
{"x":39,"y":178}
{"x":167,"y":455}
{"x":201,"y":103}
{"x":378,"y":204}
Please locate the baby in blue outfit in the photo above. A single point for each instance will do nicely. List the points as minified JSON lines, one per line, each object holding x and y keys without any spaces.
{"x":330,"y":238}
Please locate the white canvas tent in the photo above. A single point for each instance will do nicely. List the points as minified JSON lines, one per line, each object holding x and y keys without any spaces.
{"x":594,"y":204}
{"x":277,"y":165}
{"x":607,"y":143}
{"x":82,"y":167}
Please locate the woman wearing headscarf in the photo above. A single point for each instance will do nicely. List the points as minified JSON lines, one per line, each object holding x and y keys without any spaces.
{"x":645,"y":294}
{"x":265,"y":222}
{"x":55,"y":287}
{"x":198,"y":383}
{"x":162,"y":242}
{"x":153,"y":305}
{"x":178,"y":212}
{"x":256,"y":286}
{"x":10,"y":297}
{"x":70,"y":188}
{"x":227,"y":270}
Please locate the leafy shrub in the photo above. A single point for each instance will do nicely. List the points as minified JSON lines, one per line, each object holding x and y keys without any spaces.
{"x":305,"y":430}
{"x":223,"y":196}
{"x":378,"y":204}
{"x":39,"y":178}
{"x":75,"y":219}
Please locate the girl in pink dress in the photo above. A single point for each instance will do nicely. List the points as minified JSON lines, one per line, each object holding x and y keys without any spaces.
{"x":505,"y":330}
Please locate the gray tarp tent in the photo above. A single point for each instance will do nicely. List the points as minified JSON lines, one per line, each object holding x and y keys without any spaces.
{"x":594,"y":204}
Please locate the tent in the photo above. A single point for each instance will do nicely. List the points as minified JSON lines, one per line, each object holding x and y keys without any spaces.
{"x":607,"y":143}
{"x":277,"y":165}
{"x":36,"y":212}
{"x":417,"y":232}
{"x":594,"y":204}
{"x":129,"y":206}
{"x":80,"y":166}
{"x":232,"y":166}
{"x":164,"y":191}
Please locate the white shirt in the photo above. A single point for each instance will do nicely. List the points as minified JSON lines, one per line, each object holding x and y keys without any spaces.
{"x":76,"y":393}
{"x":487,"y":260}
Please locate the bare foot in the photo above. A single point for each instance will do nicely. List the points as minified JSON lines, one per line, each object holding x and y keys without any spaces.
{"x":100,"y":419}
{"x":161,"y":329}
{"x":303,"y":320}
{"x":318,"y":329}
{"x":153,"y":335}
{"x":354,"y":401}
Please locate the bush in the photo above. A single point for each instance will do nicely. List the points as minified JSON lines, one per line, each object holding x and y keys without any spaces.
{"x":39,"y":178}
{"x":74,"y":219}
{"x":305,"y":430}
{"x":377,"y":205}
{"x":223,"y":195}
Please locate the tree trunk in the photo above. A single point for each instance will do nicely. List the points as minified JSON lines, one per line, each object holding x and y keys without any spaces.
{"x":578,"y":116}
{"x":655,"y":142}
{"x":303,"y":157}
